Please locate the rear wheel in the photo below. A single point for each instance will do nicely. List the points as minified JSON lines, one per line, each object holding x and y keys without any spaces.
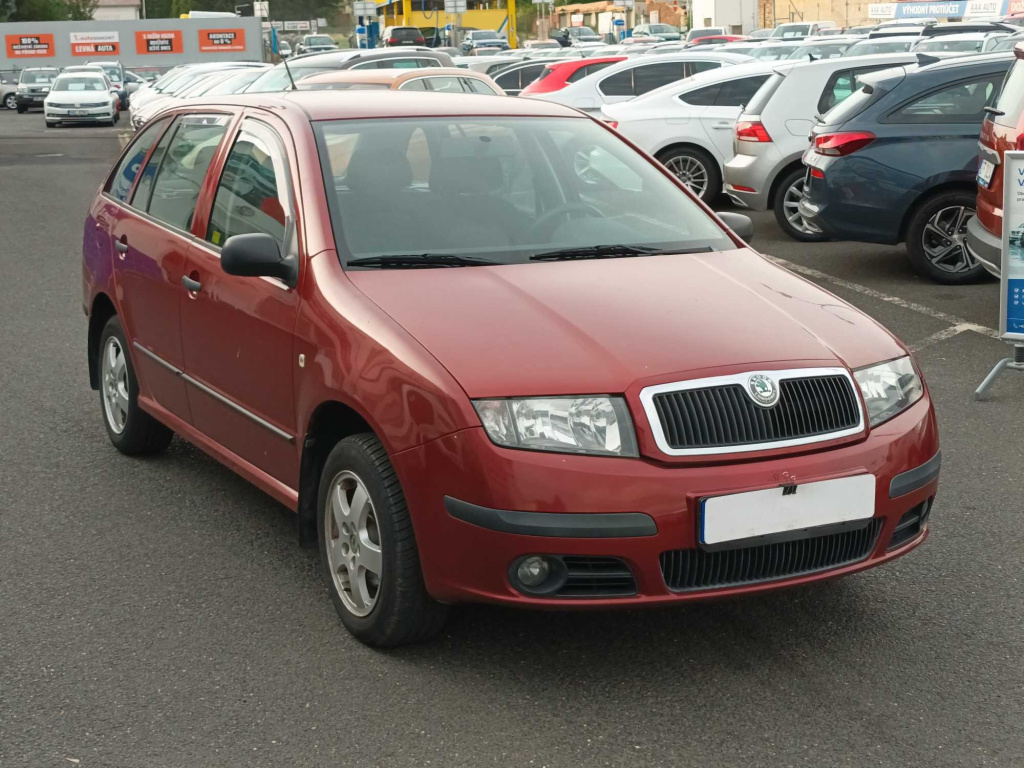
{"x":11,"y":101}
{"x":368,"y":549}
{"x":696,"y":169}
{"x":132,"y":431}
{"x":787,"y":199}
{"x":937,"y":239}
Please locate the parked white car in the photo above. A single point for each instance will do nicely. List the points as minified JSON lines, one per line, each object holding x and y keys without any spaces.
{"x":765,"y":172}
{"x":688,"y":125}
{"x":82,"y":97}
{"x":873,"y":45}
{"x":628,"y":79}
{"x":965,"y":42}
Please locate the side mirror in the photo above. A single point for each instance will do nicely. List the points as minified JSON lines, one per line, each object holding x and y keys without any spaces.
{"x":741,"y":225}
{"x":258,"y":255}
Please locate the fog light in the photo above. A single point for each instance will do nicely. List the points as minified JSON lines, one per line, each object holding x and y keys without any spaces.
{"x":533,"y":571}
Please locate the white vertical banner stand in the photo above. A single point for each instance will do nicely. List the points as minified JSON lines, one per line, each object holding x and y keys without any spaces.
{"x":1011,"y":272}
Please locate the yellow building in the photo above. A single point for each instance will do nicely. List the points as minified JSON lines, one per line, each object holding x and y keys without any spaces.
{"x":499,"y":15}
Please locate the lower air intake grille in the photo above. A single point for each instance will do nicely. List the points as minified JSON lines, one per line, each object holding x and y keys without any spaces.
{"x":688,"y":569}
{"x":596,"y":577}
{"x":910,"y":525}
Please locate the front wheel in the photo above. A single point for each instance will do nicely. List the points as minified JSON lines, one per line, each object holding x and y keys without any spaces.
{"x":11,"y":101}
{"x":787,"y":214}
{"x":696,"y":169}
{"x":937,"y":239}
{"x":368,"y":550}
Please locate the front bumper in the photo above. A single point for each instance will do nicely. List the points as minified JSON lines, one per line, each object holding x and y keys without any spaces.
{"x":478,"y":509}
{"x":984,"y":246}
{"x":30,"y":100}
{"x":93,"y":114}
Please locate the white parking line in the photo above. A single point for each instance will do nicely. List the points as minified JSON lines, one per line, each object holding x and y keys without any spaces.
{"x":957,"y":324}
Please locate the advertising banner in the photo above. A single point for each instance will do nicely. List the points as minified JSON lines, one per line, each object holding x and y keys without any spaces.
{"x":161,"y":41}
{"x":221,"y":40}
{"x":29,"y":46}
{"x":1011,"y":301}
{"x":938,"y":9}
{"x":95,"y":44}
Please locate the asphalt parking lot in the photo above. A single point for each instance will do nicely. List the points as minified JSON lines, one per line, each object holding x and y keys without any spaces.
{"x":160,"y":613}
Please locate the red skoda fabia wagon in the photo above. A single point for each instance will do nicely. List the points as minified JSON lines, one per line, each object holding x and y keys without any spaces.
{"x":488,"y":351}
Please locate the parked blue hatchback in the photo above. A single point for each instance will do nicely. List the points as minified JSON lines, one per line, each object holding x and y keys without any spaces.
{"x":897,"y":161}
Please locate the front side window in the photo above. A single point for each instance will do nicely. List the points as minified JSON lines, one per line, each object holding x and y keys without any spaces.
{"x":962,"y":102}
{"x":250,"y":197}
{"x":523,"y":187}
{"x":120,"y":183}
{"x":182,"y":168}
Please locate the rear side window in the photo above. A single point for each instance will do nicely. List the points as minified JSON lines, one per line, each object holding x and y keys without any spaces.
{"x":736,"y":93}
{"x":589,"y":69}
{"x":249,"y":196}
{"x":842,"y":85}
{"x":508,"y":80}
{"x":651,"y":76}
{"x":856,"y":103}
{"x":702,"y":97}
{"x":120,"y":182}
{"x":183,"y":168}
{"x":1011,"y":99}
{"x":472,"y":85}
{"x":962,"y":102}
{"x":619,"y":84}
{"x":691,"y":68}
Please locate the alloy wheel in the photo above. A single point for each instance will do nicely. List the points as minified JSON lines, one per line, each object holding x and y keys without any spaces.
{"x":790,"y":206}
{"x":944,"y":239}
{"x":353,"y":543}
{"x":11,"y":101}
{"x":691,"y":172}
{"x":114,"y":380}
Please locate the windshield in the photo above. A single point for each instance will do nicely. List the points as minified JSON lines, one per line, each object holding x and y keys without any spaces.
{"x":693,"y":34}
{"x":582,"y":31}
{"x":792,"y":30}
{"x":1007,"y":43}
{"x":79,"y":83}
{"x":949,"y":45}
{"x":662,"y":28}
{"x":112,"y":71}
{"x":235,"y":83}
{"x":869,"y":47}
{"x":319,"y":40}
{"x":38,"y":76}
{"x":773,"y":52}
{"x":823,"y":51}
{"x":520,"y":187}
{"x":485,"y":34}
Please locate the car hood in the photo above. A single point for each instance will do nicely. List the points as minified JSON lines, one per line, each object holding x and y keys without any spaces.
{"x":603,"y":325}
{"x":77,"y":97}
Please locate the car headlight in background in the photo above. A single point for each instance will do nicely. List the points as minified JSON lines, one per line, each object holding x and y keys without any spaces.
{"x":594,"y":424}
{"x":889,"y":388}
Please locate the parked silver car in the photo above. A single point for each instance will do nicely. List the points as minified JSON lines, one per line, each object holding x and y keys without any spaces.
{"x":766,"y":171}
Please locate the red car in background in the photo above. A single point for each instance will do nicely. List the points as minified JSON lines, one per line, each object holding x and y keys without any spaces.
{"x":558,"y":75}
{"x":716,"y":40}
{"x":1002,"y":129}
{"x":557,"y":380}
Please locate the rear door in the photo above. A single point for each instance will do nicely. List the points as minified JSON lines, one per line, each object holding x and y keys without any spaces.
{"x":237,"y":332}
{"x":151,"y":237}
{"x":719,"y":119}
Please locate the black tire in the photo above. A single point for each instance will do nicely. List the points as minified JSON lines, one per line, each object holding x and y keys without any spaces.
{"x":21,"y":110}
{"x":52,"y":123}
{"x":686,"y":157}
{"x":948,"y":213}
{"x":782,"y":197}
{"x":402,"y":612}
{"x":141,"y":434}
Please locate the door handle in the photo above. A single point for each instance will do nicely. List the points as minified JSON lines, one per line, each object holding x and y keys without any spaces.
{"x":722,"y":126}
{"x":194,"y":286}
{"x":121,"y":245}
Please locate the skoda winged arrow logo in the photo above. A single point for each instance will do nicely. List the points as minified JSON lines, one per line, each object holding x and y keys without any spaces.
{"x":763,"y":390}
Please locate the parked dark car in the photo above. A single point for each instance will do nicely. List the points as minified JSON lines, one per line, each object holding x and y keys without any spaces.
{"x":569,"y":35}
{"x":1001,"y":130}
{"x":897,"y":161}
{"x":483,"y":39}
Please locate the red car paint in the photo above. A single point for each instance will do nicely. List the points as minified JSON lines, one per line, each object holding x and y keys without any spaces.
{"x":716,"y":40}
{"x":402,"y":353}
{"x":557,"y":75}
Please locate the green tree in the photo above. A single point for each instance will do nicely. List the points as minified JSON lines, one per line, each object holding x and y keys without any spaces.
{"x":39,"y":10}
{"x":80,"y":10}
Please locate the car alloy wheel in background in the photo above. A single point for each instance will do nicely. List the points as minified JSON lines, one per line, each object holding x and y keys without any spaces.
{"x":696,"y":169}
{"x":11,"y":101}
{"x":787,"y":214}
{"x":937,"y":239}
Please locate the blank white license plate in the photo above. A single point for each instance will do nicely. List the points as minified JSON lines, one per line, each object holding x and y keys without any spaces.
{"x":763,"y":513}
{"x":985,"y":173}
{"x":78,"y":112}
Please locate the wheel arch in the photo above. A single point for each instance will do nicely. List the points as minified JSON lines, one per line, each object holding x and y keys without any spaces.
{"x":952,"y":185}
{"x":101,"y":311}
{"x":330,"y":422}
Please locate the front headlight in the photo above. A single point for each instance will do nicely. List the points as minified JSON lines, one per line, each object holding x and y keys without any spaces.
{"x":889,"y":388}
{"x":595,"y":424}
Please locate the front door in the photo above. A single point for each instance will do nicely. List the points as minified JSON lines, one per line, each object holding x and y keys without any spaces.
{"x":237,"y":332}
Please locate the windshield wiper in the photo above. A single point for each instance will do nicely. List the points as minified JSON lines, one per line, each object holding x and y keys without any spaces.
{"x":609,"y":252}
{"x":415,"y":261}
